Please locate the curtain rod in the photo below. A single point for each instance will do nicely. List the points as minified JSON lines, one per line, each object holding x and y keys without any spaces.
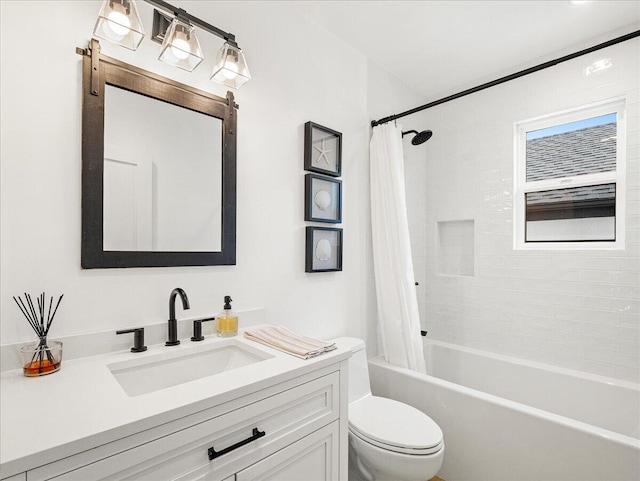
{"x":513,"y":76}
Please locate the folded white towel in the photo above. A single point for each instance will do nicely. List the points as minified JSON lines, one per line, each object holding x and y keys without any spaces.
{"x":281,"y":338}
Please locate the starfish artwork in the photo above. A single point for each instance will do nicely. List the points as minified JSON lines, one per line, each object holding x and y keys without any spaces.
{"x":323,"y":152}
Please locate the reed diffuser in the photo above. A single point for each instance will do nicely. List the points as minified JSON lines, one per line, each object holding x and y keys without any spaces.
{"x":43,"y":357}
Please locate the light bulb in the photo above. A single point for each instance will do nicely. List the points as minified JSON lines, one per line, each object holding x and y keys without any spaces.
{"x":180,"y":48}
{"x":119,"y":23}
{"x":230,"y":70}
{"x":230,"y":67}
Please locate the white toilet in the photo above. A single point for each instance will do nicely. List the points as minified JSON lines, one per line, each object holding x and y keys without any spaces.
{"x":388,"y":440}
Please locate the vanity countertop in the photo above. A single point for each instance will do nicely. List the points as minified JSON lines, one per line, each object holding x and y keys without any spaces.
{"x":83,"y":405}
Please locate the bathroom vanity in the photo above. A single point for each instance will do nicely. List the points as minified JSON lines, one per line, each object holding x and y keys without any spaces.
{"x":221,"y":409}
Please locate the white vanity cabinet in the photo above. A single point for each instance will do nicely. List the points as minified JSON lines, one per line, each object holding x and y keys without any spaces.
{"x":303,"y":421}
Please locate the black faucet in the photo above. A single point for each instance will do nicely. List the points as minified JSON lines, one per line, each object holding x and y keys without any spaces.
{"x":173,"y":324}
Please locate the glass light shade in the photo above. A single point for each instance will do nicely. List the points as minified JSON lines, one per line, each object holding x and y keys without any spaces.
{"x":230,"y":67}
{"x":119,"y":23}
{"x":180,"y":47}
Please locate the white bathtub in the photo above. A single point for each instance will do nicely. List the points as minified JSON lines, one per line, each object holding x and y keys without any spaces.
{"x":506,"y":419}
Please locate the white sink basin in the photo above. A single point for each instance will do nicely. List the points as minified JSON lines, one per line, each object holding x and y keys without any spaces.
{"x":152,"y":373}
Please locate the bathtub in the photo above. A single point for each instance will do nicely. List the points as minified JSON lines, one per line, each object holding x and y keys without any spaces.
{"x":513,"y":420}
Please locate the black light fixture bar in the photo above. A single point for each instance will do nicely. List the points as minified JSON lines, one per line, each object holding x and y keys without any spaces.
{"x":513,"y":76}
{"x":180,"y":13}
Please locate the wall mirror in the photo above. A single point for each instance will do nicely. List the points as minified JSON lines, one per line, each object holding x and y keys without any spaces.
{"x":158,"y":169}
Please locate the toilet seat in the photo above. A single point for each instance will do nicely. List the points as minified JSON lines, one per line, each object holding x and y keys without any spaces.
{"x":394,"y":426}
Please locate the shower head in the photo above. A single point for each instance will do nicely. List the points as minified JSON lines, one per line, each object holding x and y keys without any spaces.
{"x":420,"y":137}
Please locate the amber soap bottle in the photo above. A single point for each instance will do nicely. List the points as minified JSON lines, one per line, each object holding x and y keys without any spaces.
{"x":227,"y":320}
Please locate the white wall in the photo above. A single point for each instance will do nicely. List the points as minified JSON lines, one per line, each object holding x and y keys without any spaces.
{"x":577,"y":309}
{"x":300,"y":73}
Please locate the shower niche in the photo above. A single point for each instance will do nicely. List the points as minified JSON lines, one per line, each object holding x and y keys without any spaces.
{"x":455,"y":248}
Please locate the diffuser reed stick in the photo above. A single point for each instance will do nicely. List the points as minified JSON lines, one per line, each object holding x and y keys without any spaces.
{"x":40,"y":321}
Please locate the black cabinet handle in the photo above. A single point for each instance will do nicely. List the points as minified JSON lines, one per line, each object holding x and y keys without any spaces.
{"x":213,"y":454}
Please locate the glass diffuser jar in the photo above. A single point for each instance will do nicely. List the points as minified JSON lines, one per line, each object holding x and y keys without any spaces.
{"x":41,"y":358}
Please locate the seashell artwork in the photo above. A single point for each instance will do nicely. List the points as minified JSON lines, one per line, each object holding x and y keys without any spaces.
{"x":323,"y":250}
{"x":322,"y":199}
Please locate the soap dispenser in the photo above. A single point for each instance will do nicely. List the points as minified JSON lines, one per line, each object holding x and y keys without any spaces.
{"x":227,"y":320}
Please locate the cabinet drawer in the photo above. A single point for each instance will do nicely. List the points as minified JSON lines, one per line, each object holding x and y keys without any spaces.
{"x":284,"y":417}
{"x":313,"y":458}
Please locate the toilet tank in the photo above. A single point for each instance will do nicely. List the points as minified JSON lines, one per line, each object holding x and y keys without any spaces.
{"x":358,"y":368}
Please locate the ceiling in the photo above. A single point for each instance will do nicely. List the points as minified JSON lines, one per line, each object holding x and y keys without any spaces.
{"x":442,"y":47}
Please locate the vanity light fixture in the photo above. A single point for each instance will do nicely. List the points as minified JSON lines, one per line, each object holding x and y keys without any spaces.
{"x":180,"y":46}
{"x":119,"y":23}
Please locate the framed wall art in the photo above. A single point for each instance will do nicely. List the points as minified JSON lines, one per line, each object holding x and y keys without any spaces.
{"x":323,"y":249}
{"x":322,"y":150}
{"x":322,"y":199}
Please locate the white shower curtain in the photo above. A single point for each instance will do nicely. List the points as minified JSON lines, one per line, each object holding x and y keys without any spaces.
{"x":398,"y":315}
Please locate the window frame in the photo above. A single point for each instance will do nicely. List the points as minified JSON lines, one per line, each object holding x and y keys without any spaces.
{"x":617,"y":177}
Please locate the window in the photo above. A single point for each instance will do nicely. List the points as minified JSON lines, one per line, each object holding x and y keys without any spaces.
{"x":569,"y":179}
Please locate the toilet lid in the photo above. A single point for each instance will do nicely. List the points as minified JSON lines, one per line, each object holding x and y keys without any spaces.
{"x":394,"y":425}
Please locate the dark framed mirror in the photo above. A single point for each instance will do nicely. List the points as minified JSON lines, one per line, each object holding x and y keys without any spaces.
{"x":158,"y":169}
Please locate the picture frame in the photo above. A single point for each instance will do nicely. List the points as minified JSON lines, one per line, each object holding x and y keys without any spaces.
{"x":322,"y":150}
{"x":322,"y":199}
{"x":323,"y":251}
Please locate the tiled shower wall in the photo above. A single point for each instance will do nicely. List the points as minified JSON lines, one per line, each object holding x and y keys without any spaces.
{"x":577,"y":309}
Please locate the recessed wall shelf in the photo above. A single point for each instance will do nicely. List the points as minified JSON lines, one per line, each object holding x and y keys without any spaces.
{"x":456,"y":247}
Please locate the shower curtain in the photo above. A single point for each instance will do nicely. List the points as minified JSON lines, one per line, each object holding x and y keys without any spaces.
{"x":398,"y":315}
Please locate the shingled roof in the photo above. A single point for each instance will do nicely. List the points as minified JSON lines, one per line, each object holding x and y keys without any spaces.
{"x":585,"y":151}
